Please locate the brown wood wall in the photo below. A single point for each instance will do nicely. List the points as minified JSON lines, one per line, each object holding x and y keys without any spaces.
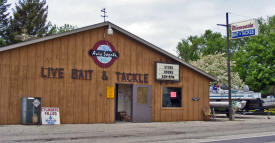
{"x":84,"y":101}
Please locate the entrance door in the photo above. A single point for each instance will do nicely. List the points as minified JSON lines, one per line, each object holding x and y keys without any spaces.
{"x":142,"y":103}
{"x":123,"y":106}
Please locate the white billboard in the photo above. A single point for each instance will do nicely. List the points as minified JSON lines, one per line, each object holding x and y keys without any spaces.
{"x":244,"y":29}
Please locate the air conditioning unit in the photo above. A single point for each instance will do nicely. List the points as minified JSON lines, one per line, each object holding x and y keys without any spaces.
{"x":31,"y":110}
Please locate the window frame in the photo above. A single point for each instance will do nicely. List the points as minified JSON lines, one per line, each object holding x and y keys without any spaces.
{"x":181,"y":107}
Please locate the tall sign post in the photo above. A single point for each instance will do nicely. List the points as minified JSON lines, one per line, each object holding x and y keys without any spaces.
{"x":238,"y":30}
{"x":227,"y":25}
{"x":228,"y":68}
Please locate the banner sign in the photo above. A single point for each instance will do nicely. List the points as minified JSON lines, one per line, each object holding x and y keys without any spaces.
{"x":50,"y":116}
{"x":167,"y":71}
{"x":244,"y":29}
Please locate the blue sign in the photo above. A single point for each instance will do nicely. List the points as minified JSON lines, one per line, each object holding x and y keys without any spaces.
{"x":195,"y":98}
{"x":51,"y":120}
{"x":243,"y":33}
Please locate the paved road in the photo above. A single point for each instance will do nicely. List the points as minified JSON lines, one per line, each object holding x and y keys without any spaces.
{"x":263,"y":139}
{"x":252,"y":129}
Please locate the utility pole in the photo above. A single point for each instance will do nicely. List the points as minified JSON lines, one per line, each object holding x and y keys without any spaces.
{"x":228,"y":67}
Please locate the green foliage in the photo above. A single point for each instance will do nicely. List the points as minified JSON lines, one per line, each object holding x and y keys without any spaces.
{"x":187,"y":49}
{"x":207,"y":44}
{"x":30,"y":15}
{"x":4,"y":21}
{"x":212,"y":43}
{"x":2,"y":42}
{"x":255,"y":61}
{"x":54,"y":29}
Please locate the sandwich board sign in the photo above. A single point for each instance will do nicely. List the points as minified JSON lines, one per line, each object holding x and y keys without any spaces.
{"x":244,"y":29}
{"x":50,"y":116}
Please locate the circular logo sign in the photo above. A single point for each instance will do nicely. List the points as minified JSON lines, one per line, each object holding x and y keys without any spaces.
{"x":104,"y":53}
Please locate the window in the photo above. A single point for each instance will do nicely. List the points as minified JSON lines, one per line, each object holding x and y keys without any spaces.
{"x":142,"y":95}
{"x":171,"y":97}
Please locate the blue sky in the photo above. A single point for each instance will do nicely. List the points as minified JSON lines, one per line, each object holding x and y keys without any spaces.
{"x":161,"y":22}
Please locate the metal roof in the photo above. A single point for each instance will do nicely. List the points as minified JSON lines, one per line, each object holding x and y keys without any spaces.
{"x":115,"y":27}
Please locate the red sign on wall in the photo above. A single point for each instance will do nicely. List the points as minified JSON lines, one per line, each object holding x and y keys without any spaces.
{"x":173,"y":94}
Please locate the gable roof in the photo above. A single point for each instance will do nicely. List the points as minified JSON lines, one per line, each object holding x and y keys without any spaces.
{"x":115,"y":27}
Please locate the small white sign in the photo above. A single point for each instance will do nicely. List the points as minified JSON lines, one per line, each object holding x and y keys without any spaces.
{"x":50,"y":116}
{"x":244,"y":29}
{"x":167,"y":71}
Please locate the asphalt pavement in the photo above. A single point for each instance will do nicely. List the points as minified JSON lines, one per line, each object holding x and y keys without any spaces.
{"x":245,"y":128}
{"x":262,"y":139}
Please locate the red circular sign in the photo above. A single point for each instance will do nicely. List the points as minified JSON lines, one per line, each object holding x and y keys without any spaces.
{"x":103,"y":53}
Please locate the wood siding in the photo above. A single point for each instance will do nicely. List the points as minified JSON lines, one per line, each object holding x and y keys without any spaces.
{"x":84,"y":101}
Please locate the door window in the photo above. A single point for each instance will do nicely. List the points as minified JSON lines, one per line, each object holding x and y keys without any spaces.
{"x":142,"y":95}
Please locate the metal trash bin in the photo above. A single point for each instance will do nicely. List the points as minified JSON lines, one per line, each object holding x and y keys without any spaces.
{"x":31,"y":110}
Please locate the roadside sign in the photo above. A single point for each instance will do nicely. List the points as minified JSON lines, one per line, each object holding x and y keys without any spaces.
{"x":50,"y":116}
{"x":244,"y":29}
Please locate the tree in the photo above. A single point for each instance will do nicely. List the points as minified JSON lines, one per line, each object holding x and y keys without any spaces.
{"x":207,"y":44}
{"x":255,"y":61}
{"x":212,"y":43}
{"x":216,"y":65}
{"x":54,"y":29}
{"x":4,"y":21}
{"x":187,"y":49}
{"x":30,"y":15}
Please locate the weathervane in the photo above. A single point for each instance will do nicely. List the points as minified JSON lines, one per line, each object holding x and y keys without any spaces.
{"x":104,"y":13}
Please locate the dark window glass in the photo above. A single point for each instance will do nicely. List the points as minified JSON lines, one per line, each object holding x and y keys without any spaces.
{"x":171,"y":97}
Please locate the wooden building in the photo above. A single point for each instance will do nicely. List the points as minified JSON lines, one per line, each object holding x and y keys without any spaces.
{"x":96,"y":77}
